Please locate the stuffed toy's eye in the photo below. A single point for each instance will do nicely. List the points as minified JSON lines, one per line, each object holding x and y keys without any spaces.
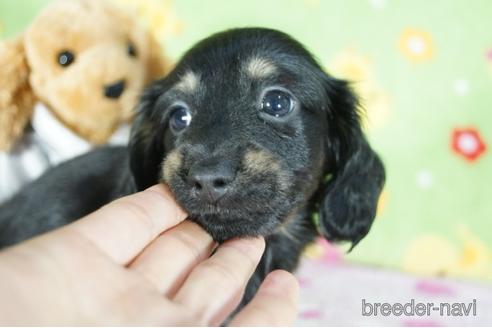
{"x":131,"y":50}
{"x":65,"y":58}
{"x":180,"y":118}
{"x":277,"y":103}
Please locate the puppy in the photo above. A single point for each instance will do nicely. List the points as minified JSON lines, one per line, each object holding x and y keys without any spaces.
{"x":252,"y":137}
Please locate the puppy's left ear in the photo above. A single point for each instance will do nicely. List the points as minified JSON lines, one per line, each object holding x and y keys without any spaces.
{"x":146,"y":146}
{"x":349,"y":199}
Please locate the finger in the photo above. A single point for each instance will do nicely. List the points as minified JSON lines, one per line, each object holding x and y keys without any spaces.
{"x":275,"y":303}
{"x":168,"y":260}
{"x":124,"y":227}
{"x":214,"y":288}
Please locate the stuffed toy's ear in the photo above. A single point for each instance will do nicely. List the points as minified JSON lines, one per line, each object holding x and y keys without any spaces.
{"x":16,"y":96}
{"x":157,"y":64}
{"x":349,"y":199}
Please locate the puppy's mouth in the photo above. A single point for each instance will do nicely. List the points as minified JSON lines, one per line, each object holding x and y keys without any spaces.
{"x":238,"y":215}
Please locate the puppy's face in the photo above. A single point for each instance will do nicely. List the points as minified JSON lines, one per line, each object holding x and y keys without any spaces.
{"x":247,"y":143}
{"x":240,"y":131}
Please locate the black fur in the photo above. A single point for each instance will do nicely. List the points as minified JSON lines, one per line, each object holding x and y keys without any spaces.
{"x":65,"y":193}
{"x":321,"y":137}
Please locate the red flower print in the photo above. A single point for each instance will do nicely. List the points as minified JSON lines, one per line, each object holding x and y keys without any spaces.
{"x":467,"y":143}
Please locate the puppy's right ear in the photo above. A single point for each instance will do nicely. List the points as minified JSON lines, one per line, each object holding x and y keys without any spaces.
{"x":16,"y":96}
{"x":146,"y":146}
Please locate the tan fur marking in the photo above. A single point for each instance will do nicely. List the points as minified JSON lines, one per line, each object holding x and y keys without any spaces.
{"x":188,"y":82}
{"x":171,"y":164}
{"x":260,"y":161}
{"x":259,"y":67}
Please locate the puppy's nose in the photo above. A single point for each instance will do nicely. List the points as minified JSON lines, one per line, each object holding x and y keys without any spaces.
{"x":114,"y":90}
{"x":210,"y":182}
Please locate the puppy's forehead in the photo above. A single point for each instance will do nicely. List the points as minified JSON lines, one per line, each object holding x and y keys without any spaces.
{"x":255,"y":67}
{"x":259,"y":67}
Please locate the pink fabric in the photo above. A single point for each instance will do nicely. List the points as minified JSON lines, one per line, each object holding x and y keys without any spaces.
{"x":332,"y":291}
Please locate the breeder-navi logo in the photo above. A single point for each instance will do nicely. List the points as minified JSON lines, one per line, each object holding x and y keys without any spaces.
{"x":419,"y":309}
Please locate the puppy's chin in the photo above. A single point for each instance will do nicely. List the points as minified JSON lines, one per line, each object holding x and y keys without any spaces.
{"x":224,"y":227}
{"x":234,"y":218}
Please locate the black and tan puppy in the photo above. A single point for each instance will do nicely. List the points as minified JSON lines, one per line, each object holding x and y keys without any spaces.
{"x":252,"y":137}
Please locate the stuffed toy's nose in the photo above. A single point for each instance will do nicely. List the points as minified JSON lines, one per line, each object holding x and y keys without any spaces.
{"x":114,"y":90}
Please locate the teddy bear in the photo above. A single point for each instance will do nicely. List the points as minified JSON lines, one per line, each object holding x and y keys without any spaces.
{"x":68,"y":84}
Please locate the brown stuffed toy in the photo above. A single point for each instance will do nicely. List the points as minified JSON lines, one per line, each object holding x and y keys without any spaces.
{"x":82,"y":64}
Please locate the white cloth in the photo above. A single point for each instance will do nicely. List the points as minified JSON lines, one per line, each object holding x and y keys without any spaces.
{"x":48,"y":144}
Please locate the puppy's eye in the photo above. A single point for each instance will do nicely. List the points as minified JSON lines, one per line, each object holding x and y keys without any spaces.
{"x":65,"y":58}
{"x":180,"y":118}
{"x":277,"y":103}
{"x":131,"y":50}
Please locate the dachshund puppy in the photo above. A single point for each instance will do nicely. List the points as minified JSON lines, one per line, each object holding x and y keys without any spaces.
{"x":252,"y":137}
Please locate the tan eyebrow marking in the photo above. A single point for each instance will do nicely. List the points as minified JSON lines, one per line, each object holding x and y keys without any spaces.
{"x":188,"y":82}
{"x":259,"y":67}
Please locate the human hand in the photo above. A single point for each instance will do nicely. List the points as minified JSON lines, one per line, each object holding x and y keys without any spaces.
{"x":134,"y":262}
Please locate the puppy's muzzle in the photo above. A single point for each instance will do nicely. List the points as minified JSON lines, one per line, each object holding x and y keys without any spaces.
{"x":210,"y":180}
